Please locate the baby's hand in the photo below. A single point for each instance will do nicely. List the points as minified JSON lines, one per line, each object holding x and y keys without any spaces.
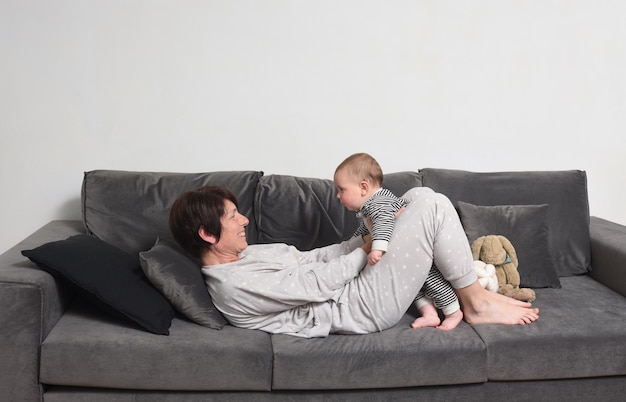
{"x":374,"y":256}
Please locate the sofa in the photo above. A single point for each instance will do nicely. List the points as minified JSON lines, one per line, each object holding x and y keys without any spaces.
{"x":109,"y":309}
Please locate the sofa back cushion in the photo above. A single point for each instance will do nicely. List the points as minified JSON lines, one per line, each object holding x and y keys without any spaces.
{"x":565,"y":192}
{"x":306,"y":213}
{"x":130,"y":210}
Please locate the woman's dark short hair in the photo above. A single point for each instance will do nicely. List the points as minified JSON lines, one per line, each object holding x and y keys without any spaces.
{"x":203,"y":207}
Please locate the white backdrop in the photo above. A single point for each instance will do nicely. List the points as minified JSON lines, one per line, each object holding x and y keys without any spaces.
{"x":293,"y":87}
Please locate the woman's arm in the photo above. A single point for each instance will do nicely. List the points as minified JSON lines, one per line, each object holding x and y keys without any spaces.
{"x":328,"y":253}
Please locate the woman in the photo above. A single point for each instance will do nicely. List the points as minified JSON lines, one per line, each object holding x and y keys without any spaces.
{"x":278,"y":289}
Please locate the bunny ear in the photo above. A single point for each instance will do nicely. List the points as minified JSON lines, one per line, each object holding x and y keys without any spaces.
{"x":508,"y":247}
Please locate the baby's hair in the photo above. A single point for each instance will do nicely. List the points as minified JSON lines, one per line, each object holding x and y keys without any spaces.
{"x":363,"y":166}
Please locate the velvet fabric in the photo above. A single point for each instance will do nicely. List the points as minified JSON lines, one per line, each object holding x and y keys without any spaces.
{"x":608,"y":246}
{"x":179,"y":279}
{"x":88,"y":348}
{"x":576,"y":390}
{"x":31,"y":302}
{"x":580,"y":333}
{"x":398,"y":357}
{"x":106,"y":276}
{"x":19,"y":375}
{"x":465,"y":393}
{"x":130,"y":210}
{"x":53,"y":353}
{"x":565,"y":192}
{"x":526,"y":227}
{"x":305,"y":212}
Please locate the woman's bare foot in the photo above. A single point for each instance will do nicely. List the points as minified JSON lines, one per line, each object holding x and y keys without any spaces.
{"x":481,"y":306}
{"x":511,"y":300}
{"x":429,"y":317}
{"x":451,"y":321}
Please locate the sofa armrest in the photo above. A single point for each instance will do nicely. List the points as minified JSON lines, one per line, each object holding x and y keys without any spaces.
{"x":608,"y":253}
{"x":31,"y":302}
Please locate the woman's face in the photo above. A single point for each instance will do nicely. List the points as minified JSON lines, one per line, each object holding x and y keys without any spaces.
{"x":233,"y":237}
{"x":349,"y":191}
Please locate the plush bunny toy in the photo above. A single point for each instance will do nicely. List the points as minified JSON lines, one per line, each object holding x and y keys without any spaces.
{"x":498,"y":251}
{"x":486,"y":275}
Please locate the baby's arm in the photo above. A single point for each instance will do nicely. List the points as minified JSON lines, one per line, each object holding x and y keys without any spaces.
{"x":374,"y":256}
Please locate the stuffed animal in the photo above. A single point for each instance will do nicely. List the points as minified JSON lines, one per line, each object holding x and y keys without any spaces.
{"x":486,"y":275}
{"x":498,"y":251}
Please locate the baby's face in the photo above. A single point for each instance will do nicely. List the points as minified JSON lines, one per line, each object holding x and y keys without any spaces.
{"x":349,"y":190}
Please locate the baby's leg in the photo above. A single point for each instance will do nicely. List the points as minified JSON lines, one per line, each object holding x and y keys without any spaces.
{"x":428,"y":316}
{"x":444,"y":298}
{"x":428,"y":229}
{"x":451,"y":320}
{"x":480,"y":306}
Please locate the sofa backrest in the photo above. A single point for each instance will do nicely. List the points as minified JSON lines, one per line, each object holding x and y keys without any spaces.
{"x":565,"y":192}
{"x":130,"y":210}
{"x":306,"y":213}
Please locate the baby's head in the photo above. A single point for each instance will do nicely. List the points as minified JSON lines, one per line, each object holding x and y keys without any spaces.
{"x":357,"y":178}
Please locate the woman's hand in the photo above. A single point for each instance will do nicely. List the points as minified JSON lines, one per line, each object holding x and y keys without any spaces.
{"x":367,"y":247}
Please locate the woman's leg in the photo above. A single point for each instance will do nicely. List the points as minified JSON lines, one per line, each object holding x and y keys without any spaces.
{"x":479,"y":305}
{"x":429,"y":230}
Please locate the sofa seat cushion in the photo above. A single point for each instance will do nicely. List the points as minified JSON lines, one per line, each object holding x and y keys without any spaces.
{"x":89,"y":349}
{"x":397,"y":357}
{"x":580,"y":333}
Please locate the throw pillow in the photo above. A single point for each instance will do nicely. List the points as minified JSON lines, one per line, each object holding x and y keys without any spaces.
{"x":179,"y":279}
{"x":526,"y":227}
{"x":107,"y":276}
{"x":131,"y":209}
{"x":564,"y":191}
{"x":305,"y":213}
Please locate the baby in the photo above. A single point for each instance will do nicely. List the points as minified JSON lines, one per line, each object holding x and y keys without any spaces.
{"x":358,"y":180}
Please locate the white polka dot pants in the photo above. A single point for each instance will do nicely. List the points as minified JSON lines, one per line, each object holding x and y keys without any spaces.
{"x":428,"y":231}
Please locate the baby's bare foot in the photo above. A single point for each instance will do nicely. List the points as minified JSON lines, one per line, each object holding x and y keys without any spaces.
{"x":429,"y":317}
{"x":451,"y":321}
{"x":423,"y":322}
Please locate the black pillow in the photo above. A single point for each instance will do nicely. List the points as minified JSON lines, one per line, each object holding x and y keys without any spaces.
{"x":107,"y":276}
{"x":179,"y":279}
{"x":526,"y":227}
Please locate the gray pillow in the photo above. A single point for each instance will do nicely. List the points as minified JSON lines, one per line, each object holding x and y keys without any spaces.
{"x":565,"y":192}
{"x":179,"y":279}
{"x":131,"y":209}
{"x":305,"y":213}
{"x":526,"y":227}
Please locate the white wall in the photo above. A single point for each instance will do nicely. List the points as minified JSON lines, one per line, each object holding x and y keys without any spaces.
{"x":293,"y":87}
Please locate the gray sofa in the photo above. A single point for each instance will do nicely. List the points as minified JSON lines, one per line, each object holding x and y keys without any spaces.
{"x":57,"y":344}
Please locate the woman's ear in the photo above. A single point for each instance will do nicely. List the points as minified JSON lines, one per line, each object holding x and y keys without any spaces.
{"x":206,"y":236}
